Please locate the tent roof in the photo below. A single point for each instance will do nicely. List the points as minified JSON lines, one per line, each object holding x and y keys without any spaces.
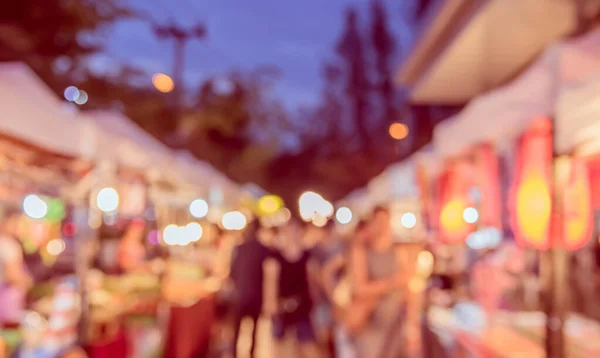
{"x":505,"y":113}
{"x":33,"y":113}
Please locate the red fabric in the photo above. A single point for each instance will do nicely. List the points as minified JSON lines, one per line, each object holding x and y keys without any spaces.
{"x":189,"y":329}
{"x":117,"y":348}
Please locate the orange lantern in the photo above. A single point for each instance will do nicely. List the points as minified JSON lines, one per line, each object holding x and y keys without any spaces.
{"x":531,"y":198}
{"x":577,"y":211}
{"x":455,"y":183}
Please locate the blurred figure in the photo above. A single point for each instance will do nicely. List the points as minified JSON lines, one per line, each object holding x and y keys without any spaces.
{"x":337,"y":284}
{"x":326,"y":247}
{"x":379,"y":284}
{"x":15,"y":281}
{"x":267,"y":236}
{"x":132,"y":252}
{"x":247,"y":276}
{"x":290,"y":293}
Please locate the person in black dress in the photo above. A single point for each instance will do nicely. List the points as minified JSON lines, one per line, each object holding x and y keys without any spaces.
{"x":247,"y":277}
{"x":291,"y":292}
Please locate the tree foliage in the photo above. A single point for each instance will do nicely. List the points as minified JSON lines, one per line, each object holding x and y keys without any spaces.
{"x":54,"y":37}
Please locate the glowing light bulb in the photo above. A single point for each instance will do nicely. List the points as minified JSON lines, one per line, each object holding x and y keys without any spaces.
{"x":171,"y":235}
{"x":82,"y":98}
{"x":408,"y":220}
{"x":325,"y":208}
{"x":234,"y":220}
{"x":199,"y":208}
{"x":398,"y":131}
{"x":470,"y":215}
{"x":344,"y":215}
{"x":71,"y":93}
{"x":107,"y":200}
{"x":319,"y":220}
{"x":34,"y":207}
{"x":56,"y":247}
{"x":193,"y":231}
{"x":163,"y":83}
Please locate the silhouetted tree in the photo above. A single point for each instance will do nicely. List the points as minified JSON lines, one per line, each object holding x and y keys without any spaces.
{"x":352,"y":51}
{"x":384,"y":45}
{"x":54,"y":37}
{"x":421,"y":7}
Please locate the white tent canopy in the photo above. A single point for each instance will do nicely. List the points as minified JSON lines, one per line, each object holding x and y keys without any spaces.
{"x":32,"y":112}
{"x":507,"y":112}
{"x":120,"y":140}
{"x":578,"y":117}
{"x":398,"y":181}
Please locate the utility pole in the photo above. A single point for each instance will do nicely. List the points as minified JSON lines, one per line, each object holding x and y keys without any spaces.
{"x":181,"y":36}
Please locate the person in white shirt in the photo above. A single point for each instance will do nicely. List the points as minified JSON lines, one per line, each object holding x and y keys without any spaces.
{"x":15,"y":281}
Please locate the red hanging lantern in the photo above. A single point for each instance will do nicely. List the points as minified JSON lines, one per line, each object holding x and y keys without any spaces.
{"x":531,"y":201}
{"x":577,"y":211}
{"x":455,"y":182}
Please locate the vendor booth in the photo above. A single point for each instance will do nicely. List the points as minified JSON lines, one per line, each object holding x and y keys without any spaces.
{"x":552,"y":100}
{"x":88,"y":179}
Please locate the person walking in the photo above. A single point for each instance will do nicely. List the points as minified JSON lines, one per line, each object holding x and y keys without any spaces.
{"x":247,"y":276}
{"x":328,"y":246}
{"x":15,"y":280}
{"x":378,"y":278}
{"x":291,"y":294}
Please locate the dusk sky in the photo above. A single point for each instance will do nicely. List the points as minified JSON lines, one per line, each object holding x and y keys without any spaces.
{"x":296,"y":36}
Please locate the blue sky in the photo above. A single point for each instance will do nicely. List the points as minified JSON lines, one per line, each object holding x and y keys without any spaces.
{"x":296,"y":36}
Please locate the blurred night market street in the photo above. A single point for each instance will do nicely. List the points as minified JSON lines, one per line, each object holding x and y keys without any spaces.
{"x":314,"y":179}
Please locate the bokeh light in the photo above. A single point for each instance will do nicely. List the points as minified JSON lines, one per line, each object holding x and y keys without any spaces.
{"x":71,"y":93}
{"x":311,"y":204}
{"x":234,"y":220}
{"x":193,"y":231}
{"x":470,"y":215}
{"x":56,"y":247}
{"x":344,"y":215}
{"x":82,"y":98}
{"x":171,"y":234}
{"x":408,"y":220}
{"x":319,"y":220}
{"x":199,"y":208}
{"x":325,"y":208}
{"x":35,"y":207}
{"x":154,"y":237}
{"x":398,"y":131}
{"x":107,"y":200}
{"x":269,"y":204}
{"x":69,"y":229}
{"x":163,"y":83}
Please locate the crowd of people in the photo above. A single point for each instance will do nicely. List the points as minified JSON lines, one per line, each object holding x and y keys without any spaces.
{"x":333,"y":295}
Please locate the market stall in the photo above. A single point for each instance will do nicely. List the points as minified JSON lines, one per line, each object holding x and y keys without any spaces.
{"x":104,"y":171}
{"x":502,"y":115}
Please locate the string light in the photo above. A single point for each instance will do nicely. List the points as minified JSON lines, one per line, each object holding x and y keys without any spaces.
{"x":34,"y":207}
{"x":344,"y":215}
